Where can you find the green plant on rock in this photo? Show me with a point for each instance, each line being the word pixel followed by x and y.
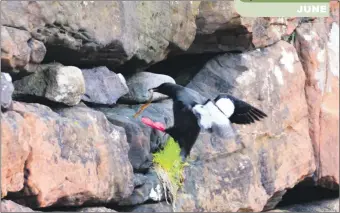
pixel 290 38
pixel 169 167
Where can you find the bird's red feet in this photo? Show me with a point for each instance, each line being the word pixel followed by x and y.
pixel 155 125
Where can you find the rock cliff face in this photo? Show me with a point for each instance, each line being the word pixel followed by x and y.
pixel 105 33
pixel 317 45
pixel 75 73
pixel 247 178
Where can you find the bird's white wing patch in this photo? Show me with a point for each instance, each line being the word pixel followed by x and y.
pixel 209 114
pixel 226 106
pixel 210 117
pixel 203 115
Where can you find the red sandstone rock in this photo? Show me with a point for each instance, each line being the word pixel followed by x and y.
pixel 18 48
pixel 266 31
pixel 75 156
pixel 318 48
pixel 14 151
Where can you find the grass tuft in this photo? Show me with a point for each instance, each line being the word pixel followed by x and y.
pixel 169 167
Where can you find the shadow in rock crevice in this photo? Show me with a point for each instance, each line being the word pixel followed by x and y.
pixel 182 67
pixel 86 57
pixel 306 192
pixel 40 100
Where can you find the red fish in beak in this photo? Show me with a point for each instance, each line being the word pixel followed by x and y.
pixel 155 125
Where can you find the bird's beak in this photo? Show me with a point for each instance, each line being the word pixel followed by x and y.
pixel 153 90
pixel 144 106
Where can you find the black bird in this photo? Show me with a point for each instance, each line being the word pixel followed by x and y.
pixel 194 112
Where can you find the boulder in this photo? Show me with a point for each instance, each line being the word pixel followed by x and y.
pixel 142 31
pixel 103 86
pixel 68 158
pixel 252 171
pixel 55 82
pixel 214 16
pixel 317 44
pixel 19 49
pixel 329 115
pixel 143 140
pixel 141 82
pixel 10 206
pixel 153 207
pixel 7 89
pixel 150 190
pixel 105 33
pixel 220 28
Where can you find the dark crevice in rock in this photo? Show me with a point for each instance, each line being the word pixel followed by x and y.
pixel 97 105
pixel 131 66
pixel 9 108
pixel 22 199
pixel 17 73
pixel 61 54
pixel 57 209
pixel 182 67
pixel 76 198
pixel 306 20
pixel 328 182
pixel 229 38
pixel 72 208
pixel 58 206
pixel 135 64
pixel 131 207
pixel 134 103
pixel 15 27
pixel 87 56
pixel 39 100
pixel 306 191
pixel 91 55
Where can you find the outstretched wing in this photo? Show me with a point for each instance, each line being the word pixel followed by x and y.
pixel 238 111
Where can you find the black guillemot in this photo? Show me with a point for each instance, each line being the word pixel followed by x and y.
pixel 194 113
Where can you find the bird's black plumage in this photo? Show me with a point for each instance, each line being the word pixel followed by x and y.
pixel 185 129
pixel 194 112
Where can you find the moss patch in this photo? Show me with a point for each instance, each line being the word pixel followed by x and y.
pixel 169 167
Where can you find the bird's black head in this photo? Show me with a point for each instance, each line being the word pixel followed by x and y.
pixel 169 89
